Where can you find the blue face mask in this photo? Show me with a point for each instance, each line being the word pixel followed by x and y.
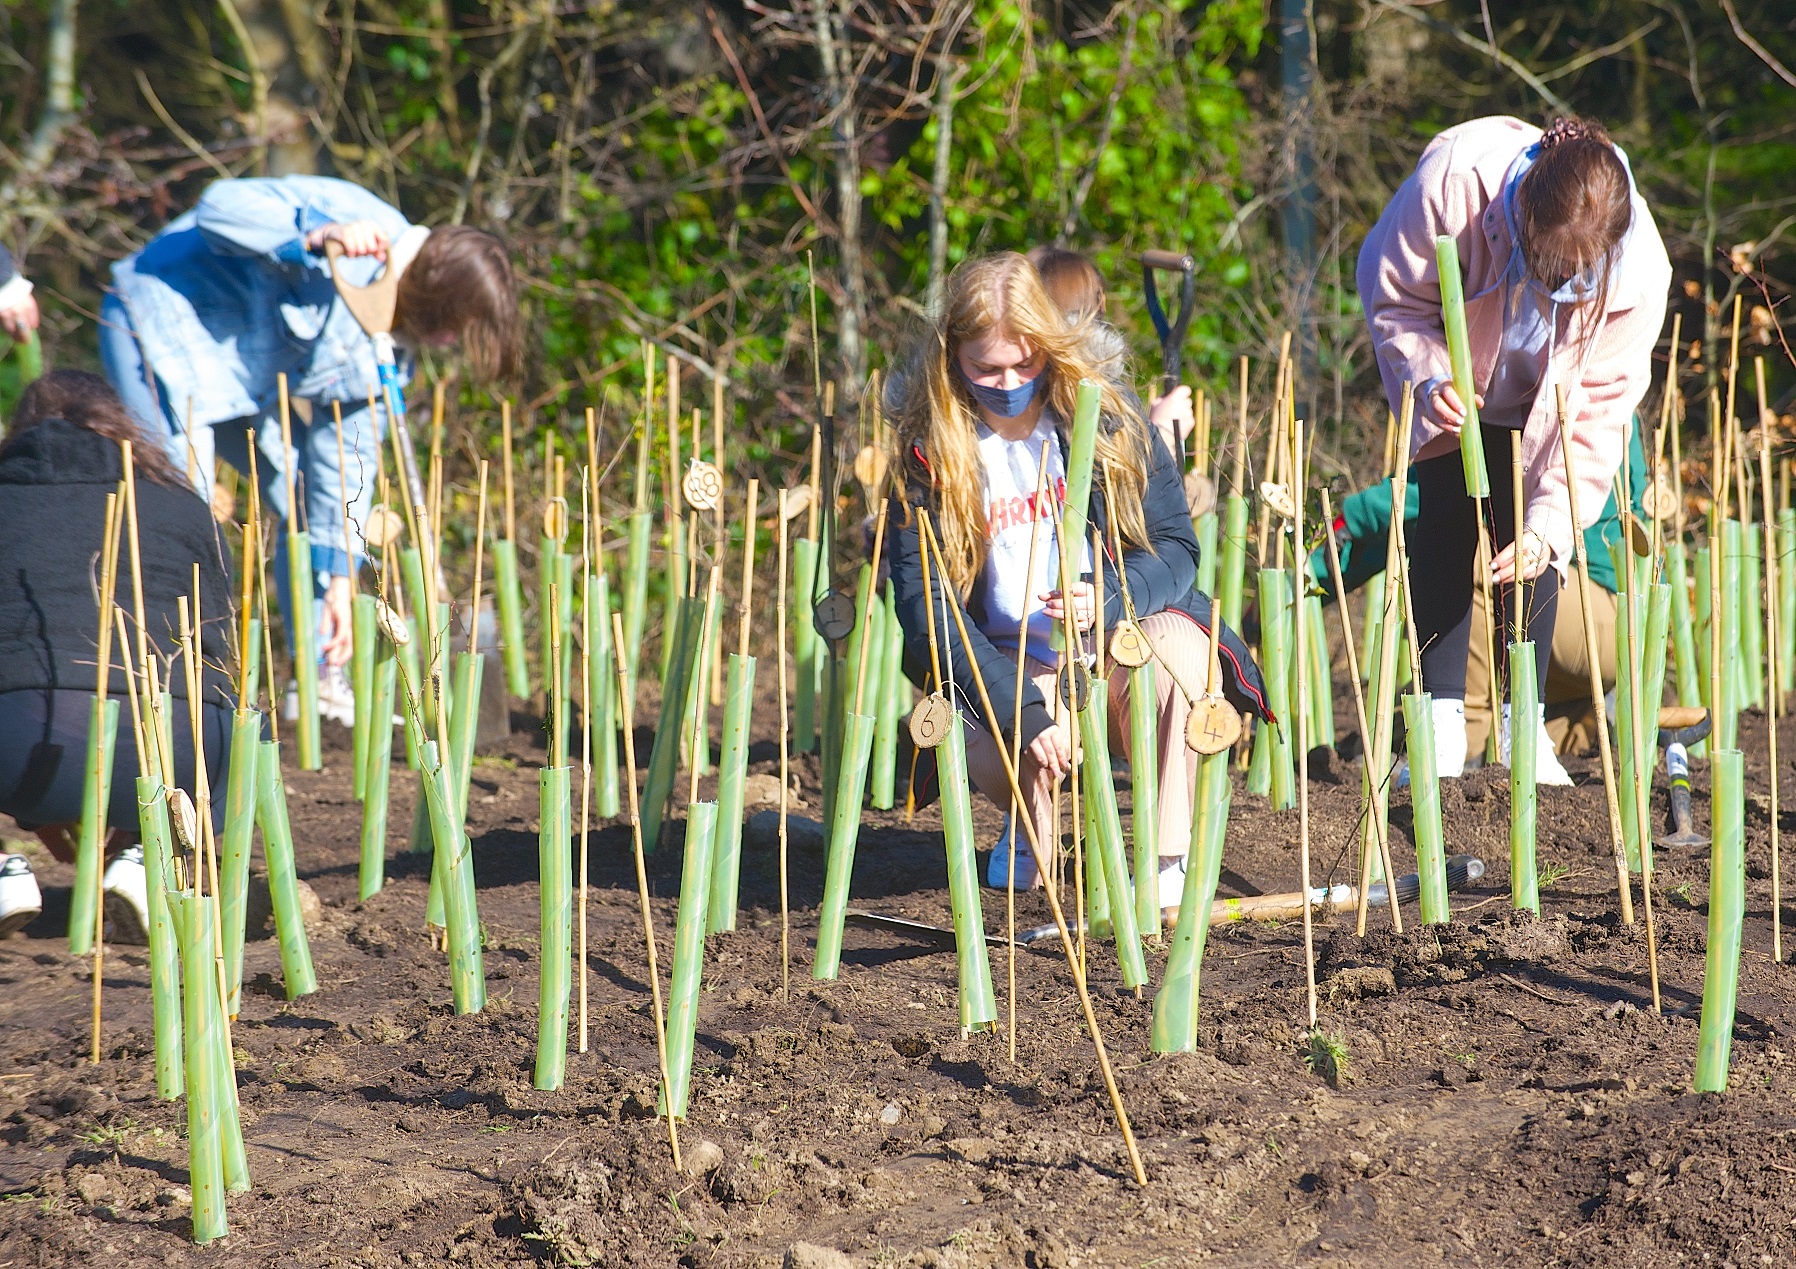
pixel 1005 403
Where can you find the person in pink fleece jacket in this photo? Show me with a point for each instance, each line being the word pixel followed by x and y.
pixel 1566 281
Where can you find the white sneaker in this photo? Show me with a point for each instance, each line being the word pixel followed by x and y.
pixel 20 900
pixel 1172 881
pixel 1449 737
pixel 1547 767
pixel 127 898
pixel 1006 856
pixel 336 698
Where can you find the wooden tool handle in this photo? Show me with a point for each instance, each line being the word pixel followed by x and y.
pixel 1171 261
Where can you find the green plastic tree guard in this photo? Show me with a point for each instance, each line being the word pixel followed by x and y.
pixel 377 783
pixel 556 887
pixel 302 614
pixel 1459 354
pixel 1175 1006
pixel 844 829
pixel 1425 799
pixel 1727 909
pixel 978 1006
pixel 364 634
pixel 96 794
pixel 283 884
pixel 241 788
pixel 689 956
pixel 1524 692
pixel 1107 841
pixel 165 949
pixel 509 589
pixel 732 766
pixel 205 1137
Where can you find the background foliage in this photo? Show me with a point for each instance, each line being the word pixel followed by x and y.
pixel 668 170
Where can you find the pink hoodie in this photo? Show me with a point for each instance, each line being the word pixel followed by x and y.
pixel 1457 188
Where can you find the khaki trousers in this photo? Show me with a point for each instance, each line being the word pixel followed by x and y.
pixel 1181 661
pixel 1571 721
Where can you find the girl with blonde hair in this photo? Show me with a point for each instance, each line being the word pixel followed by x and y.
pixel 986 392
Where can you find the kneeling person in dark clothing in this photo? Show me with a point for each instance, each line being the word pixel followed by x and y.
pixel 59 462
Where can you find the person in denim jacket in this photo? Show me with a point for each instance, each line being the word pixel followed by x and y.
pixel 201 322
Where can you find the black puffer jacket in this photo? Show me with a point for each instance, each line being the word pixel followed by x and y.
pixel 54 479
pixel 1161 580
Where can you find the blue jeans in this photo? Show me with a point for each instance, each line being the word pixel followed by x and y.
pixel 196 453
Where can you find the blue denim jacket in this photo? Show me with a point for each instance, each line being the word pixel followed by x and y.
pixel 227 297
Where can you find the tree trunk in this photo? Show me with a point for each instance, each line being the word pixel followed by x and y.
pixel 947 77
pixel 59 102
pixel 851 315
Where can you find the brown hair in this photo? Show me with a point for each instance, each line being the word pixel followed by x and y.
pixel 462 282
pixel 1072 280
pixel 1574 206
pixel 88 401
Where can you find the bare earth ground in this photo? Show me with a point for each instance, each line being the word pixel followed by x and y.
pixel 1511 1098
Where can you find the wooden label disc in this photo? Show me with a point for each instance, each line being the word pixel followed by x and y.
pixel 703 486
pixel 930 720
pixel 833 617
pixel 555 520
pixel 1213 726
pixel 1639 536
pixel 383 529
pixel 870 466
pixel 1129 646
pixel 186 821
pixel 798 501
pixel 1659 500
pixel 1277 497
pixel 1075 686
pixel 392 625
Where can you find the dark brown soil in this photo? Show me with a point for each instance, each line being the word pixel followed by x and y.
pixel 1510 1096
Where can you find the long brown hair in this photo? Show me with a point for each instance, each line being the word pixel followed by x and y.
pixel 931 408
pixel 88 401
pixel 1573 208
pixel 462 281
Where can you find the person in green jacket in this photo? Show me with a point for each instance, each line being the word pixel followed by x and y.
pixel 1361 528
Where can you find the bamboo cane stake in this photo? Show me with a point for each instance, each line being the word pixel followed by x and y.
pixel 1016 752
pixel 620 651
pixel 1590 652
pixel 785 757
pixel 1359 710
pixel 1066 940
pixel 553 882
pixel 1727 907
pixel 1298 487
pixel 1424 781
pixel 1771 676
pixel 100 771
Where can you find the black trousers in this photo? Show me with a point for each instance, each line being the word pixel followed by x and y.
pixel 1443 552
pixel 43 752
